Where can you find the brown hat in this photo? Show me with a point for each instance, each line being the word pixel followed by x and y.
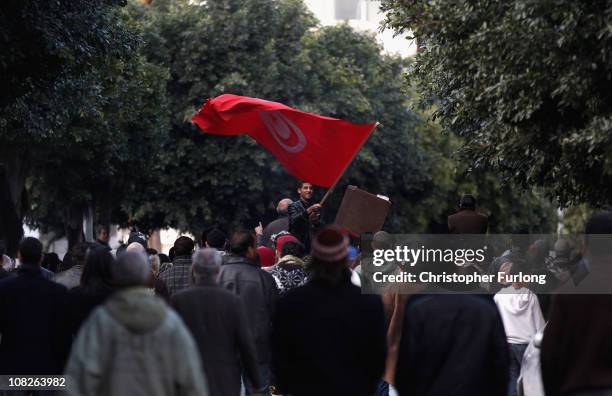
pixel 330 244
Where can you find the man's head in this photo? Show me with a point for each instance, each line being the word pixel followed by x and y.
pixel 282 206
pixel 329 255
pixel 78 254
pixel 206 264
pixel 305 190
pixel 242 243
pixel 292 248
pixel 382 240
pixel 131 269
pixel 30 251
pixel 102 233
pixel 139 237
pixel 183 246
pixel 467 201
pixel 598 236
pixel 216 239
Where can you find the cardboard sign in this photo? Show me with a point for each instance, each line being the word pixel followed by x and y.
pixel 362 212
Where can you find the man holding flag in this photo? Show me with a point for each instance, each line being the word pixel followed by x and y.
pixel 304 216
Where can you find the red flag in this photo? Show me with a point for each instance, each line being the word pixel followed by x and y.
pixel 313 148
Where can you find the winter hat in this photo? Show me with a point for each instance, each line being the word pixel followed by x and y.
pixel 139 237
pixel 280 241
pixel 330 244
pixel 266 256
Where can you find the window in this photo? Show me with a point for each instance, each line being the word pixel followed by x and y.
pixel 348 9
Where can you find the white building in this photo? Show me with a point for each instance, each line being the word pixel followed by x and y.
pixel 361 15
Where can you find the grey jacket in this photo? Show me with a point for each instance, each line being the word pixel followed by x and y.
pixel 258 292
pixel 135 345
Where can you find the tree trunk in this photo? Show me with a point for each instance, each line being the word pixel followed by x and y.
pixel 13 172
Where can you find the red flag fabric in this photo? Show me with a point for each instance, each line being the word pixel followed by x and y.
pixel 313 148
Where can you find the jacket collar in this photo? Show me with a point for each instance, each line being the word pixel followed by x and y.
pixel 235 259
pixel 29 269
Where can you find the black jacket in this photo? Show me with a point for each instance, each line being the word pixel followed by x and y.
pixel 257 291
pixel 328 340
pixel 32 339
pixel 217 322
pixel 452 345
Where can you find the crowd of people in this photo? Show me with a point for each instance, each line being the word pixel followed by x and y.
pixel 280 311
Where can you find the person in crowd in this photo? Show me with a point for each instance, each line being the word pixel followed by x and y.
pixel 217 321
pixel 289 271
pixel 51 262
pixel 281 223
pixel 451 343
pixel 32 340
pixel 71 277
pixel 164 263
pixel 304 216
pixel 177 277
pixel 576 348
pixel 95 288
pixel 266 257
pixel 134 344
pixel 522 318
pixel 467 220
pixel 103 236
pixel 240 274
pixel 216 239
pixel 157 285
pixel 328 338
pixel 380 240
pixel 137 236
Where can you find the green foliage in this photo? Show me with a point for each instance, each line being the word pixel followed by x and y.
pixel 272 50
pixel 525 83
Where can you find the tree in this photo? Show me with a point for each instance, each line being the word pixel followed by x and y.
pixel 525 83
pixel 70 76
pixel 276 53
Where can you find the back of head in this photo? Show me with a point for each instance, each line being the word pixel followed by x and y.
pixel 292 248
pixel 282 206
pixel 30 251
pixel 241 242
pixel 78 254
pixel 598 236
pixel 205 264
pixel 97 271
pixel 130 269
pixel 183 246
pixel 382 240
pixel 329 255
pixel 467 201
pixel 51 261
pixel 137 236
pixel 216 239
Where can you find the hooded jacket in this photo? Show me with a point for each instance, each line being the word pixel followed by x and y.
pixel 520 312
pixel 135 345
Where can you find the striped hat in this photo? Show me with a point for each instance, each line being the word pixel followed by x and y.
pixel 330 244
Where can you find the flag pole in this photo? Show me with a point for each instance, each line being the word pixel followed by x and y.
pixel 331 189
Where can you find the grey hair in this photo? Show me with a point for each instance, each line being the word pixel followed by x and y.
pixel 131 269
pixel 205 264
pixel 282 206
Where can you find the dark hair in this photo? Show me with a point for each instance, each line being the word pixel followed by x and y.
pixel 597 244
pixel 121 249
pixel 78 253
pixel 52 262
pixel 301 183
pixel 183 246
pixel 292 248
pixel 96 276
pixel 171 254
pixel 151 251
pixel 467 201
pixel 30 250
pixel 216 239
pixel 241 242
pixel 102 227
pixel 163 258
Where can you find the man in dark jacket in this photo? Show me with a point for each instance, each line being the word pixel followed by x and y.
pixel 328 338
pixel 304 217
pixel 467 220
pixel 256 288
pixel 217 321
pixel 176 277
pixel 32 341
pixel 452 344
pixel 275 226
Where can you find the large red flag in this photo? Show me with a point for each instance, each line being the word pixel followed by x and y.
pixel 313 148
